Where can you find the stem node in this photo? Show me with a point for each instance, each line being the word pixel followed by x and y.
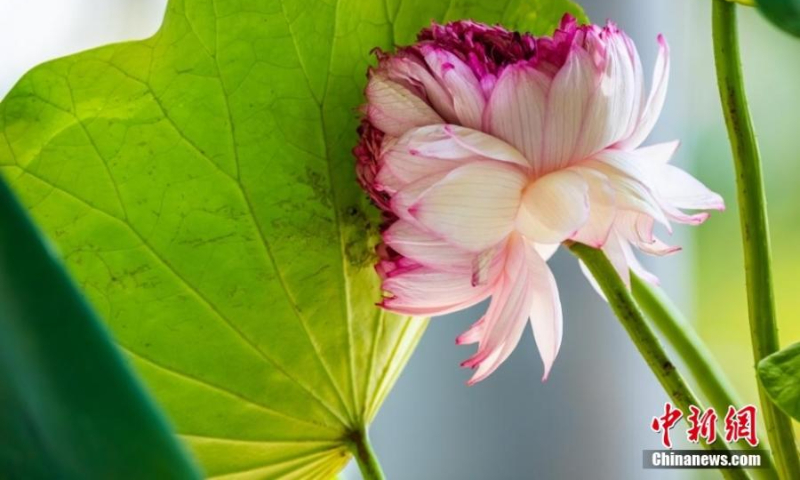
pixel 365 455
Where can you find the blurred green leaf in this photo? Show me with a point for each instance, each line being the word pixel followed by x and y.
pixel 201 186
pixel 780 375
pixel 69 406
pixel 785 14
pixel 541 17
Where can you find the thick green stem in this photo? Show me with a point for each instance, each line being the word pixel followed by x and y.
pixel 684 340
pixel 365 456
pixel 632 318
pixel 753 219
pixel 702 366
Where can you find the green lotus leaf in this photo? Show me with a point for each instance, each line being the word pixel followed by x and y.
pixel 784 14
pixel 201 188
pixel 779 373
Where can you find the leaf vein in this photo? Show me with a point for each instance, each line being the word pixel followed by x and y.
pixel 268 249
pixel 265 243
pixel 311 461
pixel 222 390
pixel 345 280
pixel 279 442
pixel 208 303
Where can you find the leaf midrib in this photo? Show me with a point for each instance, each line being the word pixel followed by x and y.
pixel 264 242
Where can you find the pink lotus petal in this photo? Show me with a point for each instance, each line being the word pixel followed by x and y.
pixel 694 219
pixel 507 314
pixel 460 82
pixel 546 250
pixel 592 281
pixel 568 100
pixel 403 164
pixel 630 184
pixel 516 111
pixel 403 200
pixel 682 190
pixel 426 248
pixel 395 109
pixel 602 209
pixel 409 69
pixel 636 266
pixel 611 105
pixel 452 142
pixel 474 334
pixel 659 153
pixel 545 314
pixel 427 291
pixel 615 249
pixel 474 206
pixel 554 207
pixel 639 93
pixel 482 265
pixel 658 248
pixel 658 93
pixel 634 227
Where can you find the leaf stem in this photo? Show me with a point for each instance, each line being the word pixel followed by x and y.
pixel 365 455
pixel 702 366
pixel 632 318
pixel 753 219
pixel 681 336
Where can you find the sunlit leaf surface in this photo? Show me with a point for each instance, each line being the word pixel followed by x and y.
pixel 201 188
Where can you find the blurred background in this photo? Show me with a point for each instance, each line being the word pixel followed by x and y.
pixel 591 419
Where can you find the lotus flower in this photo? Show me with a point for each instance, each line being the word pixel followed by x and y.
pixel 487 148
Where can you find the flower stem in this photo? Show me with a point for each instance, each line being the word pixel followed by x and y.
pixel 632 318
pixel 702 366
pixel 365 455
pixel 753 219
pixel 681 336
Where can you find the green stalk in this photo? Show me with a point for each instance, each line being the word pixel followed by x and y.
pixel 632 318
pixel 753 219
pixel 690 348
pixel 365 455
pixel 679 334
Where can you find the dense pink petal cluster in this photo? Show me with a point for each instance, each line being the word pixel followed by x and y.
pixel 487 148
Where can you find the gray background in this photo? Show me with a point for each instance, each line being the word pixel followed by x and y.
pixel 591 419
